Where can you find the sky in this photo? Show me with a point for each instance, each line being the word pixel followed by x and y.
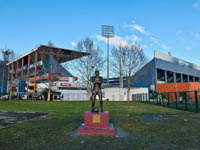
pixel 170 25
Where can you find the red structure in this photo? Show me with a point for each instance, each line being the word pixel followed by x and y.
pixel 96 123
pixel 178 87
pixel 173 91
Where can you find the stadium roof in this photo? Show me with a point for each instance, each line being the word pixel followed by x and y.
pixel 60 54
pixel 175 60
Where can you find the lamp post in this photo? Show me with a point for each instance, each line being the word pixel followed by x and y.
pixel 108 32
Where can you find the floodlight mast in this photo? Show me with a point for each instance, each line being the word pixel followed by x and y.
pixel 108 32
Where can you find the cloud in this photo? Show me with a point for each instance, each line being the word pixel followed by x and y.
pixel 116 41
pixel 74 44
pixel 132 39
pixel 136 27
pixel 142 30
pixel 196 5
pixel 165 47
pixel 120 41
pixel 158 43
pixel 154 40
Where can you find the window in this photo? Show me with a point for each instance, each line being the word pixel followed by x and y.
pixel 31 87
pixel 71 88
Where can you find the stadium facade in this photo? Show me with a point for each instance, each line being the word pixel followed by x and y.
pixel 40 65
pixel 163 70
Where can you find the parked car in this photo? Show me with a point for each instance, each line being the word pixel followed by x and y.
pixel 24 97
pixel 4 97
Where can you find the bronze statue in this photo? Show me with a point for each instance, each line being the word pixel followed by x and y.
pixel 97 80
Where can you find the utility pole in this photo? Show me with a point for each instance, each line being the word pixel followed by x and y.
pixel 121 74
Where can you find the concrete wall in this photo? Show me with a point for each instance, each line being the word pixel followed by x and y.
pixel 120 94
pixel 145 77
pixel 74 95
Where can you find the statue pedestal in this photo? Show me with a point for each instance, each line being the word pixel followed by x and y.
pixel 96 123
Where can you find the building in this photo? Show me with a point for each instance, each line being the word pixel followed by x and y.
pixel 165 71
pixel 3 77
pixel 113 82
pixel 120 94
pixel 41 65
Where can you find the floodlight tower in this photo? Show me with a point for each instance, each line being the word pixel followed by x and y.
pixel 108 32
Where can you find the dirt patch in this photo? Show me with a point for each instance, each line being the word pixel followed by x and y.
pixel 156 117
pixel 121 133
pixel 11 118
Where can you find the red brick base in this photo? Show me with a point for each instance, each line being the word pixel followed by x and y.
pixel 96 123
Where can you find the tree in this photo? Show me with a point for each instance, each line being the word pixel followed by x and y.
pixel 86 66
pixel 126 61
pixel 7 56
pixel 50 43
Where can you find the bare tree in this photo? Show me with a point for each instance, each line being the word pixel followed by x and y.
pixel 86 66
pixel 7 56
pixel 126 61
pixel 50 43
pixel 116 63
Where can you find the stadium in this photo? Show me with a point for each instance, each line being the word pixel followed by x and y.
pixel 165 73
pixel 39 69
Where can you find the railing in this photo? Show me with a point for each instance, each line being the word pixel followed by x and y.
pixel 188 100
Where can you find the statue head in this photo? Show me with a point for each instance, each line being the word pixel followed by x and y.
pixel 97 72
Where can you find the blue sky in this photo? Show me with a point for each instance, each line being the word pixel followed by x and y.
pixel 171 25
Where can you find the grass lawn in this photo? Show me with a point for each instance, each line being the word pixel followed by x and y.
pixel 56 131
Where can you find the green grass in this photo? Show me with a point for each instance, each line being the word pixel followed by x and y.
pixel 56 131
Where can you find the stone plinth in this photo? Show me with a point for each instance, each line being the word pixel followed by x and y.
pixel 96 123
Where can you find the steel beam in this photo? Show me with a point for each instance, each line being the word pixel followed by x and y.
pixel 8 72
pixel 165 76
pixel 36 61
pixel 12 77
pixel 174 77
pixel 28 72
pixel 17 70
pixel 22 68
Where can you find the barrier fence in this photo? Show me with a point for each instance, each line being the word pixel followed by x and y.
pixel 188 100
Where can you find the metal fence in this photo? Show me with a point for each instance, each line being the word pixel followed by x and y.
pixel 188 100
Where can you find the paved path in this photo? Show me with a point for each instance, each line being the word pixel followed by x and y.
pixel 11 118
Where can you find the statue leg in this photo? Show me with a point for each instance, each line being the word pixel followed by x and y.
pixel 100 100
pixel 93 100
